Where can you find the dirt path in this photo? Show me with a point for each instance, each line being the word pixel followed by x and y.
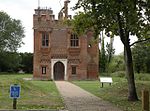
pixel 77 99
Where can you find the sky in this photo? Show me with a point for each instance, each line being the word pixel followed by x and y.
pixel 24 10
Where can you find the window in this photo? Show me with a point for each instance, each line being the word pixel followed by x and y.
pixel 74 70
pixel 45 39
pixel 74 40
pixel 43 70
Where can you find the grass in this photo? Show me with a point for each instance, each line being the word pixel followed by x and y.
pixel 44 95
pixel 118 92
pixel 34 94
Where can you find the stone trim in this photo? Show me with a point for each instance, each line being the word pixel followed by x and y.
pixel 53 61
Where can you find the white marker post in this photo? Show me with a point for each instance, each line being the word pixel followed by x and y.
pixel 14 94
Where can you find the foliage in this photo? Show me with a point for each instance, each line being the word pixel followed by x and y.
pixel 110 51
pixel 26 63
pixel 34 94
pixel 141 58
pixel 118 74
pixel 102 57
pixel 81 22
pixel 104 15
pixel 123 18
pixel 9 61
pixel 11 33
pixel 106 53
pixel 13 62
pixel 116 64
pixel 142 77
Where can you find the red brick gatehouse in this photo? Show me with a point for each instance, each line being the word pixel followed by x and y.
pixel 59 54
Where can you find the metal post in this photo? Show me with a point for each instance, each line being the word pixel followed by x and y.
pixel 102 84
pixel 14 103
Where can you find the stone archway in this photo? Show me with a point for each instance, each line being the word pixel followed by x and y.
pixel 59 71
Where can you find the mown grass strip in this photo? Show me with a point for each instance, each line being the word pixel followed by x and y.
pixel 34 94
pixel 117 93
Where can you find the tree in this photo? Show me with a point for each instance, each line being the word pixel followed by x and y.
pixel 13 62
pixel 110 50
pixel 11 33
pixel 122 18
pixel 116 64
pixel 141 52
pixel 106 53
pixel 102 55
pixel 26 62
pixel 9 61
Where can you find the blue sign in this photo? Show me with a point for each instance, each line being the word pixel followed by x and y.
pixel 15 91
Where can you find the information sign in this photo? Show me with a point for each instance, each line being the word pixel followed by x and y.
pixel 15 91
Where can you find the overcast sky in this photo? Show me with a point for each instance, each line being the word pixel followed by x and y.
pixel 24 10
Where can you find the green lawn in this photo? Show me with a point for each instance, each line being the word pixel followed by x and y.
pixel 118 92
pixel 34 94
pixel 44 95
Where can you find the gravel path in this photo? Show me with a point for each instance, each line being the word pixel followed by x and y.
pixel 77 99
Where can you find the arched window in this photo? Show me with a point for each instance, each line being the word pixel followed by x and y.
pixel 45 39
pixel 74 40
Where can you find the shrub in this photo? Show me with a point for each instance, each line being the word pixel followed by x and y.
pixel 142 77
pixel 118 74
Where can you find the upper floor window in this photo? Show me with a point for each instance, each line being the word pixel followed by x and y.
pixel 74 40
pixel 45 39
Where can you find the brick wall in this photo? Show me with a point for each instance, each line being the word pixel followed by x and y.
pixel 84 58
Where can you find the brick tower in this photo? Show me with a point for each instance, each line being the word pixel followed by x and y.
pixel 59 54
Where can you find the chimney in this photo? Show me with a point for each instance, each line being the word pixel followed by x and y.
pixel 66 8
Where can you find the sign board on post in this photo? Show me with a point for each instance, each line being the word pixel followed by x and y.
pixel 15 91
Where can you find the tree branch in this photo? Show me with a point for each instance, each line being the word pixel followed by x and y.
pixel 140 41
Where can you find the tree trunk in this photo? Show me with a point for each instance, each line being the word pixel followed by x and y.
pixel 132 95
pixel 124 36
pixel 110 49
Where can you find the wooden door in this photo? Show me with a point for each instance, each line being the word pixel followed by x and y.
pixel 59 71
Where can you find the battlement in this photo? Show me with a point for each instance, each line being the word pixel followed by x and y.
pixel 46 14
pixel 43 17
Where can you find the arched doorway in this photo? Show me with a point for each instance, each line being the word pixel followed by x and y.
pixel 59 71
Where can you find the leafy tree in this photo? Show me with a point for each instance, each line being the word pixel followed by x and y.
pixel 11 33
pixel 9 62
pixel 26 63
pixel 141 58
pixel 13 62
pixel 106 53
pixel 121 17
pixel 102 55
pixel 116 64
pixel 110 50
